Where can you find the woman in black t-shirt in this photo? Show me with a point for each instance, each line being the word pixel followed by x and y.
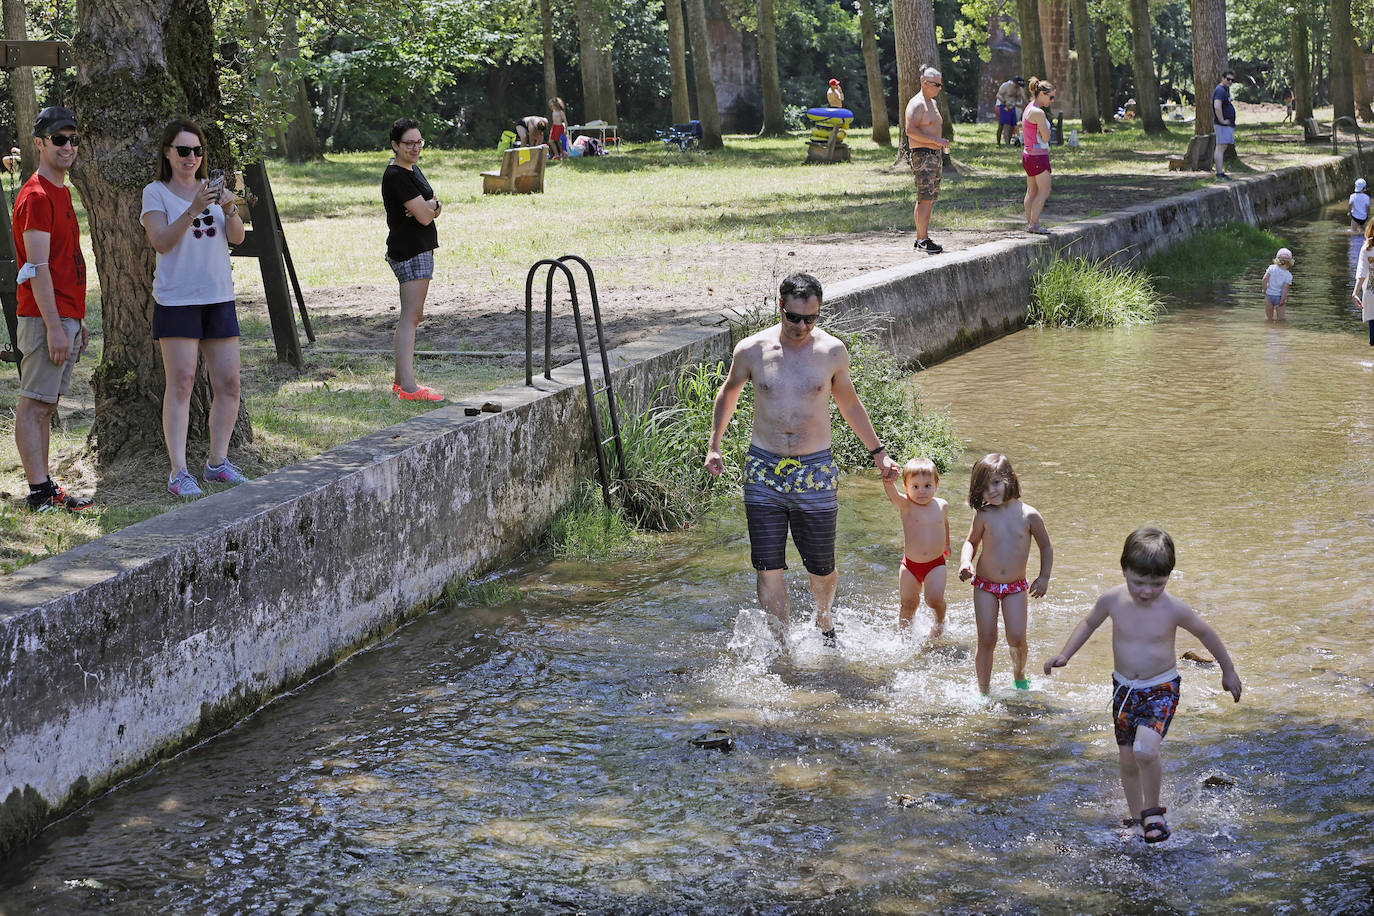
pixel 411 209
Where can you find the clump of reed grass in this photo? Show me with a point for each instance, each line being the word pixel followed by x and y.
pixel 587 529
pixel 1207 256
pixel 1097 294
pixel 484 593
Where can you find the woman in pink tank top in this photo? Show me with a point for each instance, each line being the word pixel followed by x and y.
pixel 1035 156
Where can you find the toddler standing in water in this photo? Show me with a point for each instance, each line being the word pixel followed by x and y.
pixel 1145 684
pixel 925 530
pixel 1004 527
pixel 1277 280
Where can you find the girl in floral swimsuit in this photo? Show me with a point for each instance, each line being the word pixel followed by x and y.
pixel 1003 527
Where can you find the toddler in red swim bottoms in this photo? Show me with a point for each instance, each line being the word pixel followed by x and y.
pixel 925 531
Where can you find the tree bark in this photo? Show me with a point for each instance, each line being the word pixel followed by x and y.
pixel 1105 106
pixel 677 61
pixel 708 110
pixel 1362 100
pixel 1087 77
pixel 139 64
pixel 1032 43
pixel 546 28
pixel 274 139
pixel 1143 66
pixel 1209 59
pixel 598 78
pixel 877 98
pixel 773 125
pixel 1302 64
pixel 1342 73
pixel 302 143
pixel 22 89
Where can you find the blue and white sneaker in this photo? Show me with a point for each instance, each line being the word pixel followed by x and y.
pixel 183 484
pixel 225 473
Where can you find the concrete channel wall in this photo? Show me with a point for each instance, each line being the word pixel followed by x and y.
pixel 122 651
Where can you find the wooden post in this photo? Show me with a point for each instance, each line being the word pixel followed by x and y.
pixel 9 268
pixel 264 242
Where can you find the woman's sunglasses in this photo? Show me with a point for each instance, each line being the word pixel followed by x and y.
pixel 185 151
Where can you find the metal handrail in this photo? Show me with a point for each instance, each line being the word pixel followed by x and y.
pixel 1359 149
pixel 598 440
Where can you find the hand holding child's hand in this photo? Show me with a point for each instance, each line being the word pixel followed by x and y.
pixel 1230 682
pixel 1059 661
pixel 965 572
pixel 1039 587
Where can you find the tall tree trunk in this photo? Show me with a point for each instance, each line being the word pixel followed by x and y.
pixel 1209 59
pixel 1302 64
pixel 1087 77
pixel 773 125
pixel 302 143
pixel 677 61
pixel 546 29
pixel 274 137
pixel 1342 74
pixel 1362 100
pixel 1143 66
pixel 1032 43
pixel 877 99
pixel 22 90
pixel 914 30
pixel 598 72
pixel 708 111
pixel 139 64
pixel 1105 103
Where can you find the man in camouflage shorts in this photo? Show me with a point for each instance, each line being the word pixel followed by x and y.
pixel 927 153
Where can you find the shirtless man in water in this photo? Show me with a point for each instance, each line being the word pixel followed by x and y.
pixel 789 473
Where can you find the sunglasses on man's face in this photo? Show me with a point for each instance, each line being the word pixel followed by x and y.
pixel 64 139
pixel 187 151
pixel 801 319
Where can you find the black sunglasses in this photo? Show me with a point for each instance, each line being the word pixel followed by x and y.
pixel 184 151
pixel 64 139
pixel 801 319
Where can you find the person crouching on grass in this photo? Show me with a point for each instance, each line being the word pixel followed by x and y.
pixel 1145 684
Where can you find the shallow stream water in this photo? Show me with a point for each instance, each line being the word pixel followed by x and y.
pixel 536 757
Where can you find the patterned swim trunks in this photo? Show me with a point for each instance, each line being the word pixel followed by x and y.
pixel 797 493
pixel 925 167
pixel 1000 589
pixel 1152 706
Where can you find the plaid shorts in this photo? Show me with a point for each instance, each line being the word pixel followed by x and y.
pixel 925 166
pixel 420 267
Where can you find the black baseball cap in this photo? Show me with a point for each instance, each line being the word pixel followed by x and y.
pixel 53 118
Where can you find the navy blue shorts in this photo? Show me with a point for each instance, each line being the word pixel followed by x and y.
pixel 799 493
pixel 198 322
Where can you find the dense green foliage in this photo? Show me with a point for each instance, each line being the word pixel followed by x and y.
pixel 1096 294
pixel 1207 256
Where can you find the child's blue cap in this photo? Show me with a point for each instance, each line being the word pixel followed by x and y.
pixel 1359 184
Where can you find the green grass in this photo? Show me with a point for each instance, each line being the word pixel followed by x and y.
pixel 1095 294
pixel 1207 256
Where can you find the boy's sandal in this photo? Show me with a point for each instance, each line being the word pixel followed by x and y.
pixel 1157 832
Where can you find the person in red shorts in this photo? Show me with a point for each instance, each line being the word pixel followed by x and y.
pixel 1035 154
pixel 52 303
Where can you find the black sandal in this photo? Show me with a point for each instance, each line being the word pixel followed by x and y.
pixel 1157 832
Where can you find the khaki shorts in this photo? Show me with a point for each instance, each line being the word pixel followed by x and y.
pixel 39 378
pixel 925 166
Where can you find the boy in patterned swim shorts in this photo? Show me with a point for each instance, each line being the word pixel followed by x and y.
pixel 1145 684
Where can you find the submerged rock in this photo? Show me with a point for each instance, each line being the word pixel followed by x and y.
pixel 1195 655
pixel 1219 781
pixel 717 739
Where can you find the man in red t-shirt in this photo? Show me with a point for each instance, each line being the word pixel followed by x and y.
pixel 52 302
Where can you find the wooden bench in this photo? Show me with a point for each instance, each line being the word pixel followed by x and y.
pixel 1310 133
pixel 521 172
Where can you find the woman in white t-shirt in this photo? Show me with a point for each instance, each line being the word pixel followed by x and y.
pixel 191 222
pixel 1364 290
